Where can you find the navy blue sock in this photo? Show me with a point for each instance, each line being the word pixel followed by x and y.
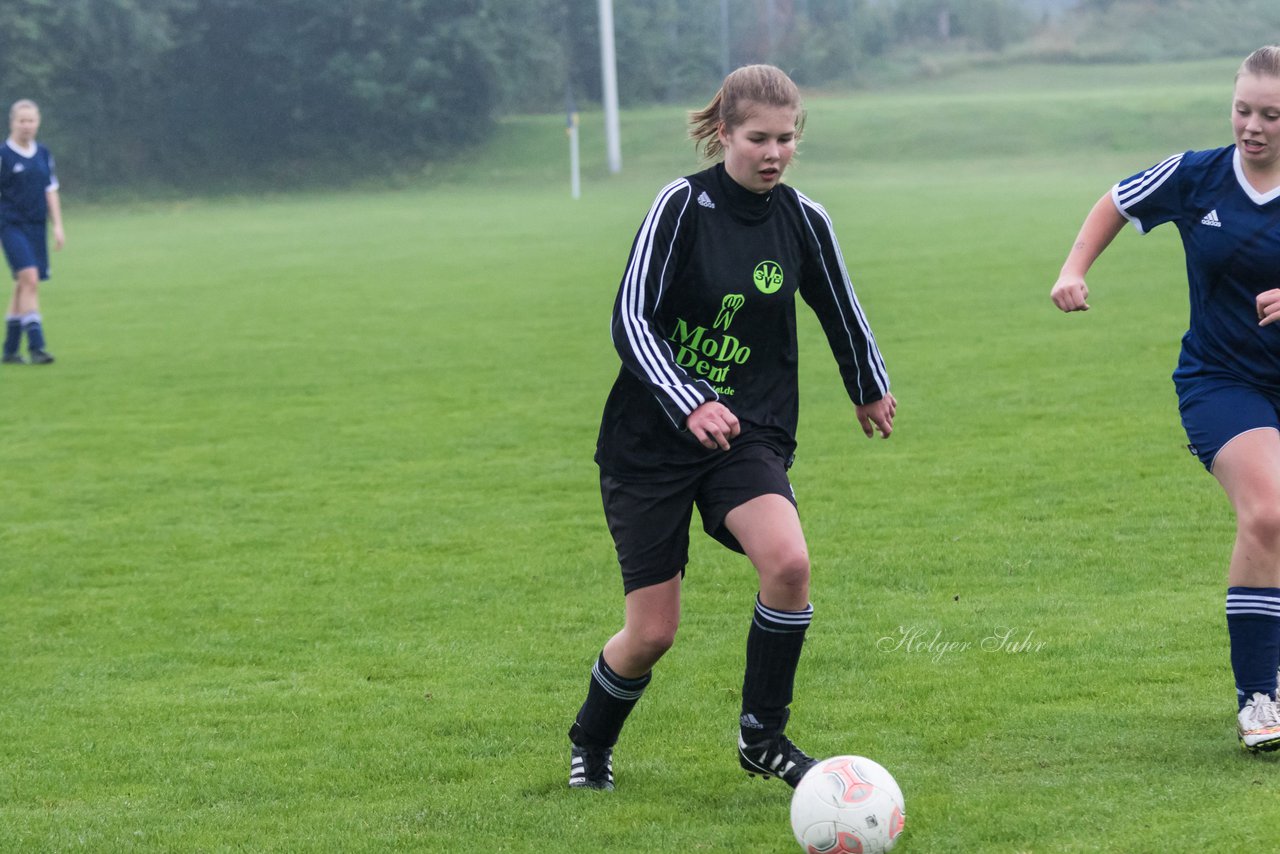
pixel 610 698
pixel 1253 622
pixel 12 335
pixel 35 332
pixel 773 653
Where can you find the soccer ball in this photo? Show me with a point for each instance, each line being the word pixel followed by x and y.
pixel 847 805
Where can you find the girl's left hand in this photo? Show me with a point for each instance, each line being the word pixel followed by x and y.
pixel 878 415
pixel 59 237
pixel 1268 303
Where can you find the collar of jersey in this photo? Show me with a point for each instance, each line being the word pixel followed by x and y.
pixel 25 152
pixel 1258 198
pixel 745 205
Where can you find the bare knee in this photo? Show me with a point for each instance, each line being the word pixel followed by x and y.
pixel 25 291
pixel 637 648
pixel 1261 526
pixel 652 640
pixel 787 568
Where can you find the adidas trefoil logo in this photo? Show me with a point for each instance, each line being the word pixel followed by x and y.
pixel 705 201
pixel 1211 218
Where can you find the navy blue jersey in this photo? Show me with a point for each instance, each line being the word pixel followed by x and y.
pixel 25 177
pixel 1231 236
pixel 706 311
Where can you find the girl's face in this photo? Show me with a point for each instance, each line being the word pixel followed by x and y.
pixel 1255 119
pixel 757 152
pixel 24 124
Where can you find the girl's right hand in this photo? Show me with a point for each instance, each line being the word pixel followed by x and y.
pixel 713 425
pixel 1070 293
pixel 1268 305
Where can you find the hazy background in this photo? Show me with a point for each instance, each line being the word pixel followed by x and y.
pixel 219 95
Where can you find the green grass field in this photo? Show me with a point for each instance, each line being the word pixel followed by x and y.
pixel 302 547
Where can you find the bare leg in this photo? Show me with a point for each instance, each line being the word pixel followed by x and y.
pixel 1248 468
pixel 768 528
pixel 619 678
pixel 652 617
pixel 26 295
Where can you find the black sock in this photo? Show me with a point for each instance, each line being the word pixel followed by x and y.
pixel 610 698
pixel 773 652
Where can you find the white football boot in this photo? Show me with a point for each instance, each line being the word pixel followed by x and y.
pixel 1259 724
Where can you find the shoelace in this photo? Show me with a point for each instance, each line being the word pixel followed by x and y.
pixel 1267 712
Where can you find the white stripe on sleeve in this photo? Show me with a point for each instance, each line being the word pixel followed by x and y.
pixel 643 344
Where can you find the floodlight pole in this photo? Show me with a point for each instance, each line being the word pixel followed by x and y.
pixel 609 75
pixel 575 162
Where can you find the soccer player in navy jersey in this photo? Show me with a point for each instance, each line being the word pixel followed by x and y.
pixel 705 406
pixel 29 204
pixel 1226 205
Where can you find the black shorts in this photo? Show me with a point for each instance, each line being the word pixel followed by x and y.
pixel 649 520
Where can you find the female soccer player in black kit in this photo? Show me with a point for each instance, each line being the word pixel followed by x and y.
pixel 704 411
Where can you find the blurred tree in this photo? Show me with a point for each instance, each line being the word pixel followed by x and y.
pixel 28 63
pixel 94 65
pixel 544 45
pixel 304 79
pixel 989 24
pixel 830 39
pixel 669 50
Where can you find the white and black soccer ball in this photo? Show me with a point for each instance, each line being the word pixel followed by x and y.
pixel 847 805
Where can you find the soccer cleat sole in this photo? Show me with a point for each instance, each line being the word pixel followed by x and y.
pixel 763 775
pixel 1269 746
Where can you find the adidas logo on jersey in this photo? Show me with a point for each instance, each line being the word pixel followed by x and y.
pixel 705 201
pixel 1211 218
pixel 18 167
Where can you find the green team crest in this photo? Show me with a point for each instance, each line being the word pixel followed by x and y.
pixel 768 277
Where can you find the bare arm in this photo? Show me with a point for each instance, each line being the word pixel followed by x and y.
pixel 55 218
pixel 1100 227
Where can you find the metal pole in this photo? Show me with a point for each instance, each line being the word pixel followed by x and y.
pixel 575 170
pixel 609 74
pixel 571 130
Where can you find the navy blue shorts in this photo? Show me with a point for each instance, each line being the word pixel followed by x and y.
pixel 1217 409
pixel 649 520
pixel 26 245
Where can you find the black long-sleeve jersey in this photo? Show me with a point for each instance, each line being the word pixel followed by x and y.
pixel 706 311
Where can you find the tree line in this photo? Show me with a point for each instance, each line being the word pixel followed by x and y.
pixel 206 93
pixel 211 93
